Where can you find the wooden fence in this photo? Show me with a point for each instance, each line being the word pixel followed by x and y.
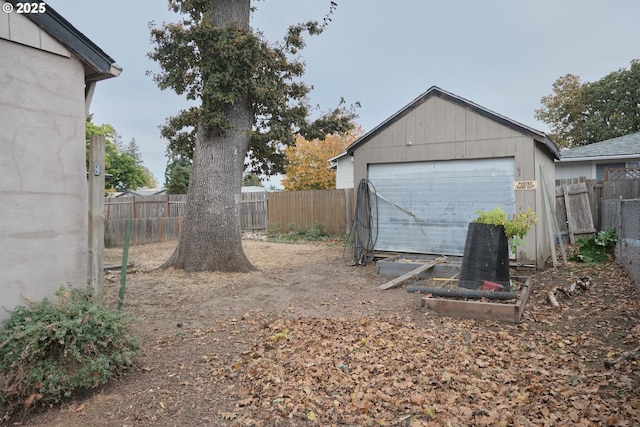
pixel 143 230
pixel 164 205
pixel 159 218
pixel 597 190
pixel 302 209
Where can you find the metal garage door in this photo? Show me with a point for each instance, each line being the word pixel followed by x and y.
pixel 425 207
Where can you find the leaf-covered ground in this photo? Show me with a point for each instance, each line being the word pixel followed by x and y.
pixel 308 340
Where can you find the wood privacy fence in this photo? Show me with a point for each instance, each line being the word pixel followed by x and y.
pixel 159 218
pixel 302 209
pixel 595 190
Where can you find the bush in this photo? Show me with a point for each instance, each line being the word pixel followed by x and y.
pixel 596 249
pixel 296 234
pixel 48 351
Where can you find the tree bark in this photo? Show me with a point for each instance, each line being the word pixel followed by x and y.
pixel 211 238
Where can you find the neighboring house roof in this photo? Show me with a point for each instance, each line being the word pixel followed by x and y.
pixel 98 65
pixel 623 147
pixel 536 135
pixel 143 191
pixel 252 189
pixel 333 162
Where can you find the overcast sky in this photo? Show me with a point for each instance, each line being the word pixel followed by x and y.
pixel 501 54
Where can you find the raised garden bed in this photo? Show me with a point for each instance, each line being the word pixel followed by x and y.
pixel 503 311
pixel 439 273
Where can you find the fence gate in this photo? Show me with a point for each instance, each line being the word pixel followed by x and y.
pixel 574 211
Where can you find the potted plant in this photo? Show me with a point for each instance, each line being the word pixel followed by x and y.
pixel 489 238
pixel 514 229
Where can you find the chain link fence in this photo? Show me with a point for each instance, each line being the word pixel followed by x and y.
pixel 625 216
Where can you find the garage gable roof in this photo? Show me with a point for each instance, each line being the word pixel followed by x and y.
pixel 536 135
pixel 98 65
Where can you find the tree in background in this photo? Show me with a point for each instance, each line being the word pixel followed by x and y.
pixel 252 103
pixel 583 113
pixel 128 173
pixel 308 161
pixel 251 180
pixel 149 178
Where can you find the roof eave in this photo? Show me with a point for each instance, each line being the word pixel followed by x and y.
pixel 598 158
pixel 98 65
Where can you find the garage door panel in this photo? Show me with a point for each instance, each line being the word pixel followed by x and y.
pixel 425 207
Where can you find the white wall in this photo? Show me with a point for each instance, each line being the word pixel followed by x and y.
pixel 567 170
pixel 344 173
pixel 43 184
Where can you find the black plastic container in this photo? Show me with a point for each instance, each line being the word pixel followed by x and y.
pixel 486 257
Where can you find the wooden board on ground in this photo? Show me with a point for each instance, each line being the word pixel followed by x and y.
pixel 503 312
pixel 110 266
pixel 398 280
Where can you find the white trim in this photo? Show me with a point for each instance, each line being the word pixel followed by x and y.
pixel 597 158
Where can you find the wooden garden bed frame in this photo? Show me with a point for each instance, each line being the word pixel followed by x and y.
pixel 481 310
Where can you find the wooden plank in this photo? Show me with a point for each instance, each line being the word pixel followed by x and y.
pixel 395 282
pixel 553 218
pixel 549 221
pixel 567 206
pixel 524 298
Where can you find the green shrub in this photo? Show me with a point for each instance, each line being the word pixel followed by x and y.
pixel 297 234
pixel 50 350
pixel 596 249
pixel 515 228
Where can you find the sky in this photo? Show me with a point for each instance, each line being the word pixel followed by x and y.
pixel 501 54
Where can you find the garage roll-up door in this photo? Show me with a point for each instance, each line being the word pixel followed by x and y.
pixel 425 207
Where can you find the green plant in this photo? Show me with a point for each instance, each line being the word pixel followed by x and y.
pixel 515 228
pixel 297 234
pixel 50 350
pixel 596 249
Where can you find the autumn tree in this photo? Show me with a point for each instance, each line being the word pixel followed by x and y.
pixel 583 113
pixel 251 103
pixel 308 161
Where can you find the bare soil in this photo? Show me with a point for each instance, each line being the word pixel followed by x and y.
pixel 309 340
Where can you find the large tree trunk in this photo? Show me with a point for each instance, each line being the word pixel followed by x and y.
pixel 211 239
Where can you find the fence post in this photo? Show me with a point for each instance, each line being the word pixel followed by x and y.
pixel 348 198
pixel 96 215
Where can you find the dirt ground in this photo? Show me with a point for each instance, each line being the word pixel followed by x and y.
pixel 309 340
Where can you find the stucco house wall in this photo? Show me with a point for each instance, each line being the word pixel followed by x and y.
pixel 43 188
pixel 440 126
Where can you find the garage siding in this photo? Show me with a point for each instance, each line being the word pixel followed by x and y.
pixel 425 207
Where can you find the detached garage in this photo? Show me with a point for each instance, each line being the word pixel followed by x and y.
pixel 442 158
